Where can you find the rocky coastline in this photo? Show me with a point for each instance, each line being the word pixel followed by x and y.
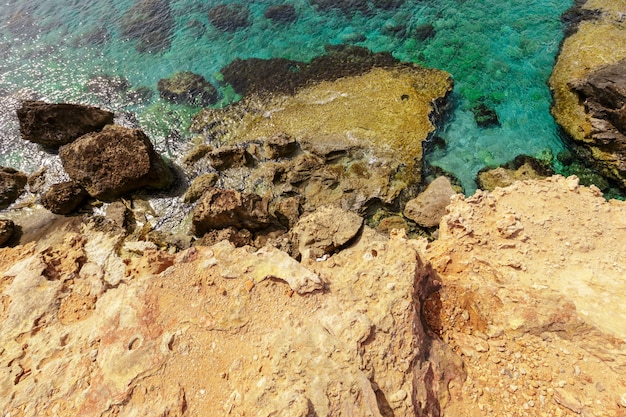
pixel 302 267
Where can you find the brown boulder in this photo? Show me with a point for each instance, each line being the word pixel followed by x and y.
pixel 324 231
pixel 429 207
pixel 114 162
pixel 219 209
pixel 12 183
pixel 7 230
pixel 57 124
pixel 63 198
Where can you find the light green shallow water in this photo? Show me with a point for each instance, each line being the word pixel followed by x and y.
pixel 501 52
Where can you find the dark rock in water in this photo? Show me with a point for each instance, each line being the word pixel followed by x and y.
pixel 12 183
pixel 139 95
pixel 228 157
pixel 281 13
pixel 485 116
pixel 195 28
pixel 95 37
pixel 22 23
pixel 114 162
pixel 150 24
pixel 57 124
pixel 108 88
pixel 577 14
pixel 188 88
pixel 424 32
pixel 63 198
pixel 394 29
pixel 286 76
pixel 387 4
pixel 219 209
pixel 229 17
pixel 348 7
pixel 7 230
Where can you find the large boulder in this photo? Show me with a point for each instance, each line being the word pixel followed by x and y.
pixel 229 17
pixel 219 209
pixel 150 23
pixel 12 183
pixel 185 87
pixel 114 162
pixel 54 125
pixel 429 207
pixel 63 198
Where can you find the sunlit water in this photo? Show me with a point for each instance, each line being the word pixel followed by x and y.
pixel 499 52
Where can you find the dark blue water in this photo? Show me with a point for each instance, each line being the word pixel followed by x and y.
pixel 500 53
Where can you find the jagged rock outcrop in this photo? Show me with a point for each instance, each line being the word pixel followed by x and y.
pixel 150 24
pixel 532 298
pixel 63 198
pixel 219 209
pixel 185 87
pixel 53 125
pixel 12 183
pixel 589 87
pixel 429 207
pixel 114 162
pixel 352 142
pixel 90 334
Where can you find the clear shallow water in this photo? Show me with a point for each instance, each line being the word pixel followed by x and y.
pixel 499 52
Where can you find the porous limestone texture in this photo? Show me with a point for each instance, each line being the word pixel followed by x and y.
pixel 216 331
pixel 597 43
pixel 532 297
pixel 353 142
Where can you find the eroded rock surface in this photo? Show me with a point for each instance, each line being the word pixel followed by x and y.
pixel 429 207
pixel 84 333
pixel 54 125
pixel 532 298
pixel 588 86
pixel 63 198
pixel 12 183
pixel 115 161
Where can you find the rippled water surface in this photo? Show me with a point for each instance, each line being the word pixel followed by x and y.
pixel 500 54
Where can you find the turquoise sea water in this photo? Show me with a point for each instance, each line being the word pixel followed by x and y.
pixel 500 53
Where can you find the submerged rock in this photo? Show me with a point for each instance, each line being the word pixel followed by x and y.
pixel 150 23
pixel 281 13
pixel 12 183
pixel 429 207
pixel 63 198
pixel 114 162
pixel 521 168
pixel 485 116
pixel 348 7
pixel 54 125
pixel 188 88
pixel 229 17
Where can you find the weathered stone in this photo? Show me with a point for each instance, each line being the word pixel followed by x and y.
pixel 279 145
pixel 226 157
pixel 63 198
pixel 219 209
pixel 281 13
pixel 522 168
pixel 229 17
pixel 287 211
pixel 114 162
pixel 36 180
pixel 429 207
pixel 150 23
pixel 7 230
pixel 588 87
pixel 524 268
pixel 185 87
pixel 54 125
pixel 12 183
pixel 324 231
pixel 199 185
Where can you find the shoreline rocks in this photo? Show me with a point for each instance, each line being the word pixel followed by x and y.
pixel 56 124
